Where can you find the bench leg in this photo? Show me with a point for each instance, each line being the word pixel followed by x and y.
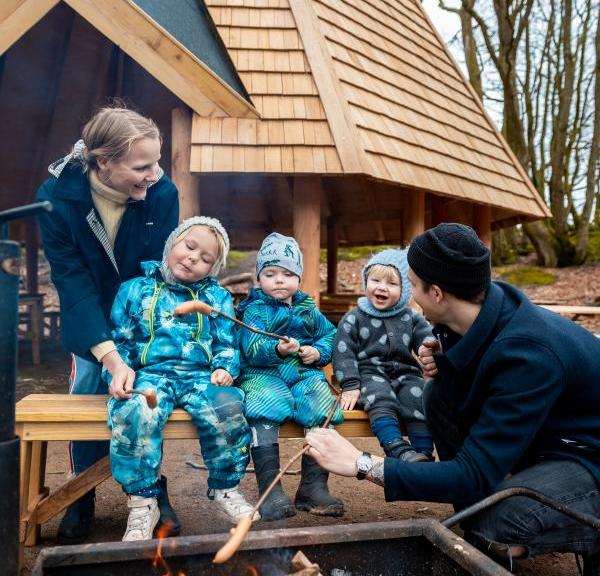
pixel 23 494
pixel 36 491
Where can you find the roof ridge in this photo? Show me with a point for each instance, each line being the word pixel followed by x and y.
pixel 339 117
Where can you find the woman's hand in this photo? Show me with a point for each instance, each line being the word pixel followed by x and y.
pixel 122 375
pixel 426 358
pixel 286 348
pixel 349 399
pixel 309 355
pixel 332 451
pixel 221 377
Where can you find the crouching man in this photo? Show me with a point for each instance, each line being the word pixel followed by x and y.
pixel 515 401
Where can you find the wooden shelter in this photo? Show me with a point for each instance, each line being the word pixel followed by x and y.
pixel 368 132
pixel 340 121
pixel 59 60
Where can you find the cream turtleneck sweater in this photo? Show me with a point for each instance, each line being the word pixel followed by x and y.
pixel 111 205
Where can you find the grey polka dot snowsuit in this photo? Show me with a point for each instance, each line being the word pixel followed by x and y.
pixel 375 356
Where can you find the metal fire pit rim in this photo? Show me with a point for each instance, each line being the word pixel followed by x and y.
pixel 447 541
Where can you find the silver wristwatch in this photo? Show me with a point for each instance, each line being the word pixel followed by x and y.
pixel 364 464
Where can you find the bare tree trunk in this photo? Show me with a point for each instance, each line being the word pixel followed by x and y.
pixel 470 46
pixel 557 185
pixel 592 169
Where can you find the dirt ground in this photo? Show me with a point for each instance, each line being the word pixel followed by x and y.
pixel 187 487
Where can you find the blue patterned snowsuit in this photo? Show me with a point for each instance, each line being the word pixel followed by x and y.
pixel 278 389
pixel 175 357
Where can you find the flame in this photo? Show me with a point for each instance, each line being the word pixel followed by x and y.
pixel 158 561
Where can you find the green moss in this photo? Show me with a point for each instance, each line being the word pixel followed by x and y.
pixel 594 245
pixel 236 257
pixel 527 276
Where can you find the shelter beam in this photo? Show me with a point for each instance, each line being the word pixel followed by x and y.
pixel 186 182
pixel 307 193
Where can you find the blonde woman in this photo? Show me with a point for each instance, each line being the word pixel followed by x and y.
pixel 113 209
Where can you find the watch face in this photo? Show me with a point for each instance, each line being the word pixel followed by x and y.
pixel 364 463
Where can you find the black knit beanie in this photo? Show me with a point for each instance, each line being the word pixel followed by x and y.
pixel 453 257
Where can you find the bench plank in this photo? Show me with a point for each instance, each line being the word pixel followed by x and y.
pixel 51 417
pixel 576 310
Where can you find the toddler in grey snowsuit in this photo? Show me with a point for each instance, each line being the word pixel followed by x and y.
pixel 283 381
pixel 373 358
pixel 188 362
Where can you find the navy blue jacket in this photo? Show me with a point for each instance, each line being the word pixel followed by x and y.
pixel 525 383
pixel 85 271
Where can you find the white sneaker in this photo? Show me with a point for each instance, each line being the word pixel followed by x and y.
pixel 143 518
pixel 232 503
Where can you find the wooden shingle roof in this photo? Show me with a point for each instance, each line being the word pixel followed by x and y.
pixel 357 87
pixel 158 39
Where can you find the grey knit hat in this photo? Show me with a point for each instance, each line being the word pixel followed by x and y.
pixel 212 223
pixel 280 250
pixel 453 257
pixel 397 259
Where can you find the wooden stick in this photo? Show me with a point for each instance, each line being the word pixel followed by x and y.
pixel 207 310
pixel 149 395
pixel 239 532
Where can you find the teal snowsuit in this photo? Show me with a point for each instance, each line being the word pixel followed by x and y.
pixel 279 389
pixel 175 357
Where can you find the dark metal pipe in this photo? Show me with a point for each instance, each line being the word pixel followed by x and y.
pixel 25 211
pixel 474 509
pixel 10 254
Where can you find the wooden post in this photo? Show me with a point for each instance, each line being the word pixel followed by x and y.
pixel 482 223
pixel 307 229
pixel 186 182
pixel 332 255
pixel 31 243
pixel 414 216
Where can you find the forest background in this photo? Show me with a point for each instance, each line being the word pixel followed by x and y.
pixel 536 66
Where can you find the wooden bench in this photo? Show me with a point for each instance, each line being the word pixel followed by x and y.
pixel 573 311
pixel 334 306
pixel 41 418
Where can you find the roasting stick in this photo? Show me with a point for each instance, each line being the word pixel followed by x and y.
pixel 149 395
pixel 207 310
pixel 239 532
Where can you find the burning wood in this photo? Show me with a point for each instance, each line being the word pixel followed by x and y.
pixel 304 566
pixel 158 561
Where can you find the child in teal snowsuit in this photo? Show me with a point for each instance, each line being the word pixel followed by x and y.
pixel 189 362
pixel 282 380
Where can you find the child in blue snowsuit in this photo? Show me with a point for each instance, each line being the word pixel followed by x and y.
pixel 189 362
pixel 282 380
pixel 374 361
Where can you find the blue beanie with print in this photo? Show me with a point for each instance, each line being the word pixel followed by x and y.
pixel 280 250
pixel 397 259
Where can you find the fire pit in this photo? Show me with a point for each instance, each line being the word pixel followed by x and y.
pixel 401 548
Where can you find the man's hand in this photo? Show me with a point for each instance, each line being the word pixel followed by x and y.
pixel 349 399
pixel 221 377
pixel 122 375
pixel 426 358
pixel 286 348
pixel 332 451
pixel 309 355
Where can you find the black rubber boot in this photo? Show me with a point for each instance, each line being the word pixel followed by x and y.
pixel 168 524
pixel 266 467
pixel 313 494
pixel 74 527
pixel 402 450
